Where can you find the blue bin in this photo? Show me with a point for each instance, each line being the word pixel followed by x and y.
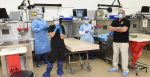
pixel 113 17
pixel 68 18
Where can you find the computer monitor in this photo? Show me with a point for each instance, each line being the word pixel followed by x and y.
pixel 3 13
pixel 79 13
pixel 145 9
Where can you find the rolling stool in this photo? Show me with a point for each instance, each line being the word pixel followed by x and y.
pixel 23 73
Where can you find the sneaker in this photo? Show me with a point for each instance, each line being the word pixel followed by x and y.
pixel 113 69
pixel 125 74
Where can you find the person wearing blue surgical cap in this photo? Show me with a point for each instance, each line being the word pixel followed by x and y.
pixel 57 33
pixel 41 43
pixel 86 30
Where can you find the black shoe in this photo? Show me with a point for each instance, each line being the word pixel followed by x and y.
pixel 38 64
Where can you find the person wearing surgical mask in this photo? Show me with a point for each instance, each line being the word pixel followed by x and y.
pixel 39 16
pixel 57 34
pixel 120 28
pixel 41 42
pixel 86 32
pixel 120 16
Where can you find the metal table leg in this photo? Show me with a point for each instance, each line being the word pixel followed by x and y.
pixel 81 62
pixel 69 64
pixel 87 64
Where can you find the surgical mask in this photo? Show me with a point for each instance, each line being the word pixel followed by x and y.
pixel 86 21
pixel 39 16
pixel 56 22
pixel 120 16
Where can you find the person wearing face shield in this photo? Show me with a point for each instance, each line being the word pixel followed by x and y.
pixel 86 32
pixel 57 33
pixel 120 28
pixel 41 42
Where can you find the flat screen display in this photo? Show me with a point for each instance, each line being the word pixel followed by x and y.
pixel 79 13
pixel 145 9
pixel 3 13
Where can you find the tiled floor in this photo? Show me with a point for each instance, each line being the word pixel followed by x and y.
pixel 99 69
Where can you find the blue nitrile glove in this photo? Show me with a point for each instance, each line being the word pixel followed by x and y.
pixel 60 30
pixel 57 27
pixel 111 33
pixel 55 30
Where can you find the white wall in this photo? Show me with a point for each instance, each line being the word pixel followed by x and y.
pixel 131 6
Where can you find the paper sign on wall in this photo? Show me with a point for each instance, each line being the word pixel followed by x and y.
pixel 93 22
pixel 145 23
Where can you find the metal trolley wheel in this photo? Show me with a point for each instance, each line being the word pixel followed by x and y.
pixel 70 70
pixel 88 66
pixel 138 70
pixel 107 61
pixel 146 71
pixel 136 74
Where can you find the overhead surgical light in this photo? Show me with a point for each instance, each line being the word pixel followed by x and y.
pixel 109 9
pixel 24 6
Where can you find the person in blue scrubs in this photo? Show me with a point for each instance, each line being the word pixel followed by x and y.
pixel 41 43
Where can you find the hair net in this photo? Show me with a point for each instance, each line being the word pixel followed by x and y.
pixel 86 18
